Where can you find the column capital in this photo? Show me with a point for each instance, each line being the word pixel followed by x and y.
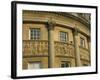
pixel 51 52
pixel 76 30
pixel 50 24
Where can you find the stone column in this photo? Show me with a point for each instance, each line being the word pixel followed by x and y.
pixel 89 48
pixel 77 52
pixel 88 42
pixel 51 53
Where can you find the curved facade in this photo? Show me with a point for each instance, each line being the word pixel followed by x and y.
pixel 55 39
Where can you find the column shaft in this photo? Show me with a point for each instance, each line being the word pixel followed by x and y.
pixel 51 48
pixel 51 52
pixel 77 52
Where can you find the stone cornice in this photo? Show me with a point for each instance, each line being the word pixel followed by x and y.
pixel 65 14
pixel 79 19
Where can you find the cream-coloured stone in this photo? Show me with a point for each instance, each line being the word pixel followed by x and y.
pixel 69 23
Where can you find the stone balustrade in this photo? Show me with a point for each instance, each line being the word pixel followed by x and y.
pixel 40 47
pixel 84 53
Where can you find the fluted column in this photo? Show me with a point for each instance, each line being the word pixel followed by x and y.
pixel 77 52
pixel 51 53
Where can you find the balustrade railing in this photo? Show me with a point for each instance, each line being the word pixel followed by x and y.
pixel 84 53
pixel 64 49
pixel 35 47
pixel 40 47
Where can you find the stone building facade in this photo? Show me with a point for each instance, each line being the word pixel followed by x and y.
pixel 55 39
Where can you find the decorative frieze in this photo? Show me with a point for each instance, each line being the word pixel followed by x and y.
pixel 31 47
pixel 35 47
pixel 64 49
pixel 84 54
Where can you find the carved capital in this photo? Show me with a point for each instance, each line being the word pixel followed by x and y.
pixel 50 24
pixel 76 30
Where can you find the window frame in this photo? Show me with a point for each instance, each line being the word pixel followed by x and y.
pixel 83 43
pixel 33 62
pixel 64 62
pixel 85 64
pixel 66 36
pixel 39 34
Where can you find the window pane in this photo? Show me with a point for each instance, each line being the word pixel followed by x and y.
pixel 62 65
pixel 82 42
pixel 34 65
pixel 35 34
pixel 85 64
pixel 65 64
pixel 63 36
